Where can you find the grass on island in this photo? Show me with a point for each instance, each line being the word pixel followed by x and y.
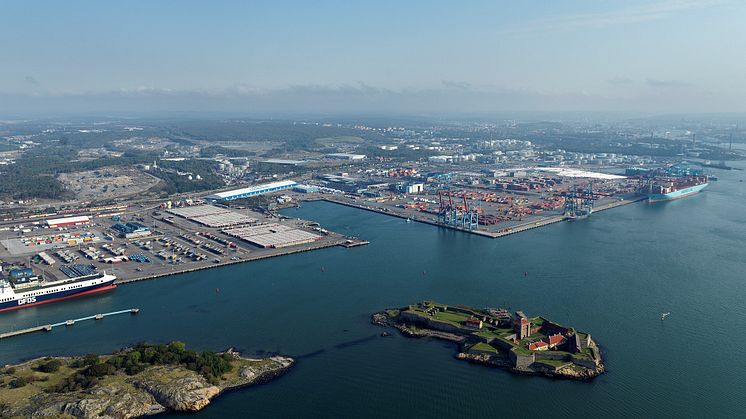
pixel 585 353
pixel 481 346
pixel 494 333
pixel 538 321
pixel 451 317
pixel 392 313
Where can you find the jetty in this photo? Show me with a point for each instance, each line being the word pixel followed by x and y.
pixel 354 242
pixel 48 327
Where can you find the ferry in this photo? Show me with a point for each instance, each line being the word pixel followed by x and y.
pixel 14 295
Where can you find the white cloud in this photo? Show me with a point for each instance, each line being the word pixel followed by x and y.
pixel 625 15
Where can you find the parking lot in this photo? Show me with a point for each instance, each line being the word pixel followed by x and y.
pixel 173 243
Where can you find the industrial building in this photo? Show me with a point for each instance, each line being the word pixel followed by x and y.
pixel 131 230
pixel 252 191
pixel 68 221
pixel 306 189
pixel 415 188
pixel 272 235
pixel 212 216
pixel 346 156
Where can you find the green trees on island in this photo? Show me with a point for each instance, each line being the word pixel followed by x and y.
pixel 91 368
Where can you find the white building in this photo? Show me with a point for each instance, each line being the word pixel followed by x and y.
pixel 415 188
pixel 346 156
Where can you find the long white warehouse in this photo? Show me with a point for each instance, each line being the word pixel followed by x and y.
pixel 252 191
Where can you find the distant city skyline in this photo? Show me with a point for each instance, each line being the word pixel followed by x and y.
pixel 384 57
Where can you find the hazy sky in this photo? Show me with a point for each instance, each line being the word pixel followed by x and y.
pixel 381 56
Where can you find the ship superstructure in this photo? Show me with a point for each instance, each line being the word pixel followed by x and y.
pixel 14 295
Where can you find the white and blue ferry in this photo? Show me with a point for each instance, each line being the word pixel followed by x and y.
pixel 35 292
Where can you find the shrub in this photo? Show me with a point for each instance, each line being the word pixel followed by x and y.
pixel 90 359
pixel 20 382
pixel 50 366
pixel 99 370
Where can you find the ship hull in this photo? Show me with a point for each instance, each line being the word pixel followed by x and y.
pixel 681 193
pixel 55 296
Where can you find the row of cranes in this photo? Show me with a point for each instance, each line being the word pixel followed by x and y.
pixel 578 204
pixel 453 215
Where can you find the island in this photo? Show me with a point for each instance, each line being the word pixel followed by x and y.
pixel 494 337
pixel 142 380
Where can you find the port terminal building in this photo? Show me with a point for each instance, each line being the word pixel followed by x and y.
pixel 252 191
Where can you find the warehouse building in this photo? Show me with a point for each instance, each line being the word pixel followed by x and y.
pixel 252 191
pixel 67 221
pixel 272 235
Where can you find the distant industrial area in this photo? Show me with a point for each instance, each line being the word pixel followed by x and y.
pixel 146 200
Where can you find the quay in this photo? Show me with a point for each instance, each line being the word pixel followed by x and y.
pixel 494 235
pixel 394 214
pixel 48 327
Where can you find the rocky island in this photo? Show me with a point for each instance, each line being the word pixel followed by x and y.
pixel 494 337
pixel 133 382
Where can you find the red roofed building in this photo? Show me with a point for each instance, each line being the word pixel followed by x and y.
pixel 556 340
pixel 538 346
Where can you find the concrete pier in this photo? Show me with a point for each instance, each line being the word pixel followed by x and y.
pixel 48 327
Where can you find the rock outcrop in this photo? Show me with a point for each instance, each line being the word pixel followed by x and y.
pixel 184 394
pixel 155 390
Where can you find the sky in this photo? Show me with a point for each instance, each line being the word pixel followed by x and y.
pixel 657 56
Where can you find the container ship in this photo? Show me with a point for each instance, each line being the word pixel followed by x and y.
pixel 31 291
pixel 667 189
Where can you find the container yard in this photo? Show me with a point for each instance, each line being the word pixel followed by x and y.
pixel 486 205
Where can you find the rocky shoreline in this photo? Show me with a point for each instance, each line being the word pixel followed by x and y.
pixel 28 390
pixel 547 367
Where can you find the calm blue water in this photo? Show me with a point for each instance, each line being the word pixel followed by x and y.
pixel 611 275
